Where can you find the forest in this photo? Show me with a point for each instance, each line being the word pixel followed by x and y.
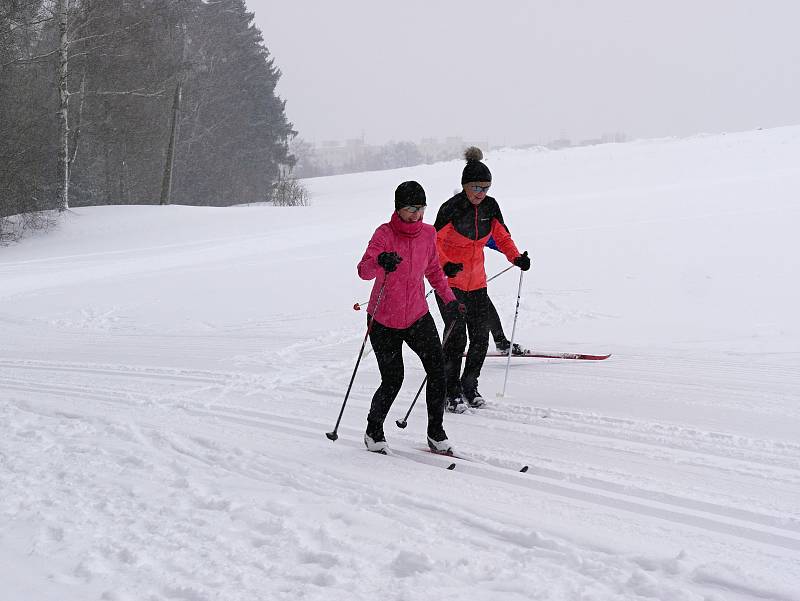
pixel 136 102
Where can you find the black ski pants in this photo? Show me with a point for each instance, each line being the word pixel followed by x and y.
pixel 495 327
pixel 477 325
pixel 387 343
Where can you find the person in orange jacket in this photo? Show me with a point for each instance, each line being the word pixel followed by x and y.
pixel 463 226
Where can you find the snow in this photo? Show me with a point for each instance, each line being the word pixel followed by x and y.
pixel 167 376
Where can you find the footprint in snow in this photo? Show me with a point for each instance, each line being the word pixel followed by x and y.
pixel 407 564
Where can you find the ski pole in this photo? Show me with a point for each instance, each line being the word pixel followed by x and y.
pixel 357 306
pixel 402 423
pixel 333 435
pixel 497 275
pixel 513 330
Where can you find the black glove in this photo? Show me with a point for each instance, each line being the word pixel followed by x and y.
pixel 389 261
pixel 451 269
pixel 523 261
pixel 455 309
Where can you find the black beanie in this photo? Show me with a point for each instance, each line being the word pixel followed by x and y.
pixel 408 194
pixel 475 171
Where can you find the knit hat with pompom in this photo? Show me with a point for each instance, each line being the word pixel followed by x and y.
pixel 475 171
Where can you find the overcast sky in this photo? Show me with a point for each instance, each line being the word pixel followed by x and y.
pixel 524 71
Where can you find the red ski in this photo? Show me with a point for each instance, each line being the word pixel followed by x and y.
pixel 541 355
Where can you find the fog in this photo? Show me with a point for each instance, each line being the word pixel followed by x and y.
pixel 511 72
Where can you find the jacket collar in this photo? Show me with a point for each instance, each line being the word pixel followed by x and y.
pixel 409 230
pixel 464 203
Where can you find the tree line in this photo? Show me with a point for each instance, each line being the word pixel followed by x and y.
pixel 392 155
pixel 136 102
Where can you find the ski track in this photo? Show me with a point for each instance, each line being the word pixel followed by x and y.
pixel 218 406
pixel 665 436
pixel 766 453
pixel 577 492
pixel 732 521
pixel 266 530
pixel 505 549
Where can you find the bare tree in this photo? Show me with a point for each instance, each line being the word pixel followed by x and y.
pixel 61 14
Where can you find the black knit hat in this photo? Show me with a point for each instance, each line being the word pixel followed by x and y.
pixel 408 194
pixel 475 171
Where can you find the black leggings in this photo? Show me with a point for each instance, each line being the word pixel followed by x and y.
pixel 422 338
pixel 477 324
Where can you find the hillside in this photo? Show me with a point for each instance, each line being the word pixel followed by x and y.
pixel 167 375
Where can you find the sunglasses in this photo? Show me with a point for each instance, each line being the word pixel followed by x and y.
pixel 479 189
pixel 414 209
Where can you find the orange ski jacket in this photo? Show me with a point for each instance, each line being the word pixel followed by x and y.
pixel 462 230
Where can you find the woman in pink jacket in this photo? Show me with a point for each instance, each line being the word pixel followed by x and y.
pixel 399 254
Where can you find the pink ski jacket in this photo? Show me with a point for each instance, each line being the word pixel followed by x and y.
pixel 403 300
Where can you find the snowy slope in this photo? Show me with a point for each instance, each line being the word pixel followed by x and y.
pixel 167 375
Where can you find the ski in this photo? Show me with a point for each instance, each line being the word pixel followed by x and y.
pixel 447 465
pixel 406 455
pixel 541 355
pixel 521 470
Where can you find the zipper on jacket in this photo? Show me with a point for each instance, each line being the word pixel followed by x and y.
pixel 473 247
pixel 408 281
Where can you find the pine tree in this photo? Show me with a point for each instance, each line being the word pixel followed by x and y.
pixel 234 131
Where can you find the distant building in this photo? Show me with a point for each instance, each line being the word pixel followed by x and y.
pixel 615 138
pixel 560 143
pixel 334 155
pixel 607 138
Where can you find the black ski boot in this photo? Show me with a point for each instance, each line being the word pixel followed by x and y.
pixel 474 398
